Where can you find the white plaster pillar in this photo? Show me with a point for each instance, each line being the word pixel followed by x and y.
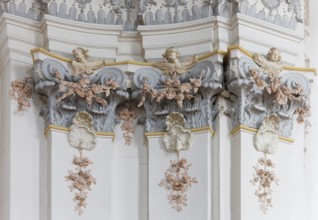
pixel 285 196
pixel 20 136
pixel 60 199
pixel 222 169
pixel 199 195
pixel 311 154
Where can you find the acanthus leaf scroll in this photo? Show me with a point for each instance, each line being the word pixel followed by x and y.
pixel 65 94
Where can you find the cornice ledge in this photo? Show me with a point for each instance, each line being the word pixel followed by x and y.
pixel 80 26
pixel 178 27
pixel 266 27
pixel 18 21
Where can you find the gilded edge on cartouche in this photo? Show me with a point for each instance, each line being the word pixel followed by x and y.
pixel 254 130
pixel 194 130
pixel 64 129
pixel 249 54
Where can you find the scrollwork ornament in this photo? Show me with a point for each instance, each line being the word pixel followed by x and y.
pixel 177 180
pixel 82 136
pixel 267 137
pixel 266 141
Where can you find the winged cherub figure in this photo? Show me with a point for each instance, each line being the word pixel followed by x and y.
pixel 271 65
pixel 172 65
pixel 81 65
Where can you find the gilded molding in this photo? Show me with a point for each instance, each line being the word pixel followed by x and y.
pixel 193 130
pixel 66 130
pixel 125 62
pixel 235 130
pixel 211 54
pixel 53 55
pixel 199 58
pixel 250 55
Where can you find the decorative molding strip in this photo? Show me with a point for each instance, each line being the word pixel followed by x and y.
pixel 126 62
pixel 53 55
pixel 50 128
pixel 193 130
pixel 254 130
pixel 199 58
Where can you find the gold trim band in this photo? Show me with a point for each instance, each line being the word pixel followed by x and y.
pixel 254 130
pixel 126 62
pixel 56 56
pixel 249 54
pixel 221 52
pixel 194 130
pixel 64 129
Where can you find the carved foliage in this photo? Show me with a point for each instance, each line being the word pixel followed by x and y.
pixel 82 137
pixel 257 91
pixel 190 93
pixel 21 91
pixel 178 181
pixel 65 94
pixel 128 118
pixel 266 141
pixel 264 177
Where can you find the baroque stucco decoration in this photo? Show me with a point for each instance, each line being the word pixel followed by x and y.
pixel 177 136
pixel 191 92
pixel 21 92
pixel 130 14
pixel 266 141
pixel 177 180
pixel 172 65
pixel 81 65
pixel 128 117
pixel 259 88
pixel 65 94
pixel 82 137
